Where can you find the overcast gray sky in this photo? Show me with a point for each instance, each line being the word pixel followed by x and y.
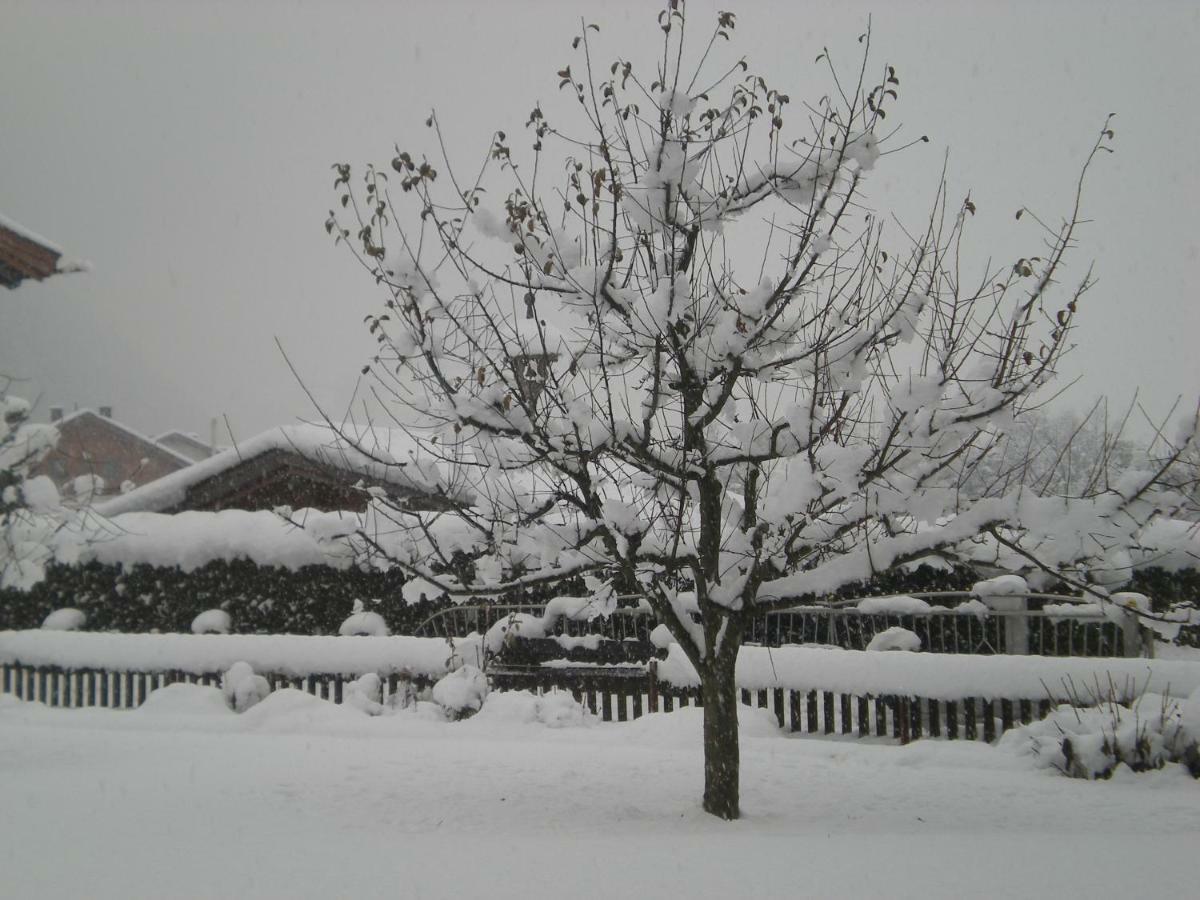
pixel 185 149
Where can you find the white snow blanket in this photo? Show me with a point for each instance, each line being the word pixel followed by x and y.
pixel 286 654
pixel 941 676
pixel 303 799
pixel 192 539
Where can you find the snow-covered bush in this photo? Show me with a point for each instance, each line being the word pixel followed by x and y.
pixel 363 623
pixel 365 693
pixel 1110 737
pixel 66 619
pixel 31 511
pixel 242 687
pixel 461 693
pixel 212 621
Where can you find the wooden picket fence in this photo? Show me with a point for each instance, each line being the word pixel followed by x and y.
pixel 616 694
pixel 620 695
pixel 79 688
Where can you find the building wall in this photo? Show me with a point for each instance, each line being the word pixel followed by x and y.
pixel 91 445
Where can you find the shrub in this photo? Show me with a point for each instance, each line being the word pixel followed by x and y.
pixel 1096 740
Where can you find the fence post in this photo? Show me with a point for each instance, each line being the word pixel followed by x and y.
pixel 1016 623
pixel 1131 633
pixel 653 693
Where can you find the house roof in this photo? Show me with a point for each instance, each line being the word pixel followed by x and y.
pixel 383 456
pixel 25 254
pixel 82 415
pixel 187 440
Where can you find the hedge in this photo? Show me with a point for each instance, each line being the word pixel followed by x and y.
pixel 316 599
pixel 259 599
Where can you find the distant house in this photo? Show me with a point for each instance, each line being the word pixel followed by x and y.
pixel 92 443
pixel 185 444
pixel 301 467
pixel 26 255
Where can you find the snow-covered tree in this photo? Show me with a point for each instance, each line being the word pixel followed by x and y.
pixel 30 508
pixel 668 351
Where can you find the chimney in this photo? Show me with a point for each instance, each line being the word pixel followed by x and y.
pixel 106 412
pixel 56 413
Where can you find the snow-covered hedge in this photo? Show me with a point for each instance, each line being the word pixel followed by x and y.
pixel 258 599
pixel 941 676
pixel 290 655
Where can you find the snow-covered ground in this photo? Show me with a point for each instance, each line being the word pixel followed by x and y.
pixel 297 798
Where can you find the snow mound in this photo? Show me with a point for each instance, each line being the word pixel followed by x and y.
pixel 684 727
pixel 212 621
pixel 290 711
pixel 1000 586
pixel 555 710
pixel 365 693
pixel 895 638
pixel 461 693
pixel 185 699
pixel 972 607
pixel 895 606
pixel 67 619
pixel 364 624
pixel 242 688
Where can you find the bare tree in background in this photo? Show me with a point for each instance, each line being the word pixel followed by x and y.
pixel 1061 454
pixel 669 350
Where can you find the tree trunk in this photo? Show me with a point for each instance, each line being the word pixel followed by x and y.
pixel 722 759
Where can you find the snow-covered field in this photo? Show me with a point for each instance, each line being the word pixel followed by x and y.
pixel 297 798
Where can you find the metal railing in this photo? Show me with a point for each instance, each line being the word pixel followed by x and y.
pixel 459 621
pixel 943 629
pixel 948 629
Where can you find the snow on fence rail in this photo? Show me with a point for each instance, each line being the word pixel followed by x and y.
pixel 289 655
pixel 942 676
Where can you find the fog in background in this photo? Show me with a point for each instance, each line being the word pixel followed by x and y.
pixel 185 149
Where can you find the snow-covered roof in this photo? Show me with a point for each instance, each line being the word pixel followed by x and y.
pixel 186 443
pixel 386 456
pixel 182 435
pixel 62 263
pixel 81 414
pixel 29 234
